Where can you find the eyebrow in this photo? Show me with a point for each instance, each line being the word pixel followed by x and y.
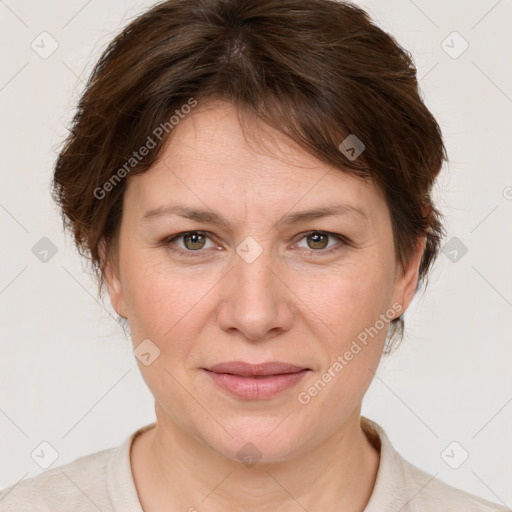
pixel 209 217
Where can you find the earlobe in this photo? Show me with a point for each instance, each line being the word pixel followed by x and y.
pixel 112 280
pixel 406 282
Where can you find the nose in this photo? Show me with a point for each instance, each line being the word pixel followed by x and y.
pixel 255 300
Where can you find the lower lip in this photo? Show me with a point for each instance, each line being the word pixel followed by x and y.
pixel 256 388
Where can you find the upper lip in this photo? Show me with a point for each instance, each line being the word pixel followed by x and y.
pixel 247 369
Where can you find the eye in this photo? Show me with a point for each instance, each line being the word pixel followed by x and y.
pixel 193 241
pixel 317 241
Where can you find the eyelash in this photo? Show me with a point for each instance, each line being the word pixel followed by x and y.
pixel 193 254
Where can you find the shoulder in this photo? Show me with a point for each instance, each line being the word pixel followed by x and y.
pixel 402 486
pixel 67 487
pixel 428 493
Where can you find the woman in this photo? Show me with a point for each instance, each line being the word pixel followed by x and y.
pixel 252 183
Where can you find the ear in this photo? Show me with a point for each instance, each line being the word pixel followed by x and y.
pixel 407 280
pixel 110 272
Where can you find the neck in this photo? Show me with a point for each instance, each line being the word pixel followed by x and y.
pixel 173 470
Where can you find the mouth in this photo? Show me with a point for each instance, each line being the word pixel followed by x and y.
pixel 256 381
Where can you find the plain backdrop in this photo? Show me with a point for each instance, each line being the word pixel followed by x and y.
pixel 67 373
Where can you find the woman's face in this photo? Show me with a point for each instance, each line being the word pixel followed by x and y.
pixel 258 286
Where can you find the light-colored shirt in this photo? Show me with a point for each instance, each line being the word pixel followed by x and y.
pixel 103 481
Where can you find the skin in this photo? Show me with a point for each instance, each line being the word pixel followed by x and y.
pixel 294 303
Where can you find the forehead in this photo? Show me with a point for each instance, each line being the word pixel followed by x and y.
pixel 211 160
pixel 213 137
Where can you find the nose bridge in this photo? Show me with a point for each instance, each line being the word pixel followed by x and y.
pixel 255 270
pixel 257 301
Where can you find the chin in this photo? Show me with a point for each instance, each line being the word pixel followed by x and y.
pixel 256 441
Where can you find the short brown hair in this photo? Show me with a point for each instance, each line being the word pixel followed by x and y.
pixel 317 70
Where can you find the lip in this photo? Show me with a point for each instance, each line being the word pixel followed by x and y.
pixel 256 381
pixel 244 369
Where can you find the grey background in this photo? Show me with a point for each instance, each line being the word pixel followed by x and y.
pixel 67 373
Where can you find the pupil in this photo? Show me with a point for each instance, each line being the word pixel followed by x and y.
pixel 316 237
pixel 194 238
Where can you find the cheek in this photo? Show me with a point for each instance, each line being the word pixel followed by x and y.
pixel 350 298
pixel 351 305
pixel 159 298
